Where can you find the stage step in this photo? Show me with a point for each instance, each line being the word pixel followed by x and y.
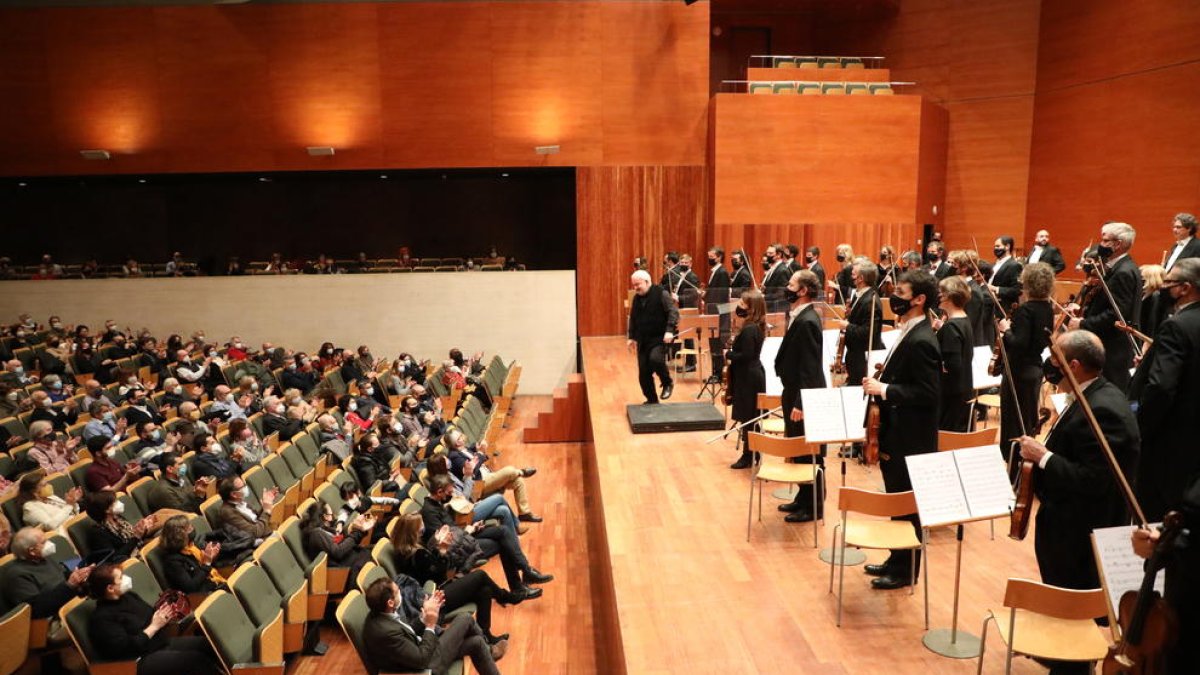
pixel 566 422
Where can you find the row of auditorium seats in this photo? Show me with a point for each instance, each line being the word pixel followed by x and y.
pixel 817 62
pixel 819 88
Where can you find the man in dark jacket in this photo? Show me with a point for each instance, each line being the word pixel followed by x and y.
pixel 36 579
pixel 1124 281
pixel 653 320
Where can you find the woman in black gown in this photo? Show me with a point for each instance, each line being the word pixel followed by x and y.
pixel 1026 336
pixel 957 344
pixel 747 379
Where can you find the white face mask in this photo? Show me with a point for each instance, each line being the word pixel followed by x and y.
pixel 126 584
pixel 352 407
pixel 369 391
pixel 118 507
pixel 48 549
pixel 253 386
pixel 245 492
pixel 229 398
pixel 178 391
pixel 396 426
pixel 353 503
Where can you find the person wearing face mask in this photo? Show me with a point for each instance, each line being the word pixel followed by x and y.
pixel 237 514
pixel 908 390
pixel 1124 282
pixel 335 441
pixel 1026 336
pixel 370 465
pixel 247 449
pixel 718 277
pixel 957 346
pixel 187 369
pixel 355 504
pixel 1075 486
pixel 174 394
pixel 471 461
pixel 55 358
pixel 250 394
pixel 494 507
pixel 53 451
pixel 775 277
pixel 1165 388
pixel 34 578
pixel 13 400
pixel 393 444
pixel 105 472
pixel 107 530
pixel 742 277
pixel 653 320
pixel 92 392
pixel 55 388
pixel 862 329
pixel 278 419
pixel 124 627
pixel 812 262
pixel 371 397
pixel 983 328
pixel 141 408
pixel 227 403
pixel 59 416
pixel 40 507
pixel 152 443
pixel 844 277
pixel 187 567
pixel 300 374
pixel 360 367
pixel 172 494
pixel 57 328
pixel 210 460
pixel 747 378
pixel 1005 279
pixel 935 260
pixel 236 350
pixel 886 271
pixel 354 414
pixel 321 533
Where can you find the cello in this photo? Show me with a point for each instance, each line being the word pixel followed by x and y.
pixel 1148 624
pixel 871 454
pixel 1023 489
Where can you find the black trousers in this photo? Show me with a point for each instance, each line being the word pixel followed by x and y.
pixel 804 496
pixel 1026 381
pixel 190 655
pixel 463 639
pixel 1065 559
pixel 502 541
pixel 652 360
pixel 901 563
pixel 476 587
pixel 955 412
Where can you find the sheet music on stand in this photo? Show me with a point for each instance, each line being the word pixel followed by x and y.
pixel 1120 568
pixel 834 415
pixel 960 486
pixel 767 357
pixel 980 361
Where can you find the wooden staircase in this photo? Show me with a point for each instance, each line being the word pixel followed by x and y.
pixel 567 421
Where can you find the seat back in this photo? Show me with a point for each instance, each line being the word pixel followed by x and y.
pixel 957 440
pixel 144 583
pixel 369 574
pixel 885 504
pixel 308 447
pixel 232 634
pixel 289 531
pixel 384 555
pixel 259 597
pixel 259 482
pixel 768 401
pixel 133 512
pixel 14 648
pixel 211 508
pixel 296 462
pixel 1061 603
pixel 352 615
pixel 77 527
pixel 279 471
pixel 75 616
pixel 275 557
pixel 777 446
pixel 140 491
pixel 78 473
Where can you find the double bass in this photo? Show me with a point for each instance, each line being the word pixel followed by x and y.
pixel 871 424
pixel 1148 624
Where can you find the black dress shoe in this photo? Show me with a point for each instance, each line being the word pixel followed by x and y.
pixel 801 516
pixel 529 518
pixel 744 462
pixel 493 639
pixel 876 570
pixel 520 595
pixel 649 402
pixel 528 471
pixel 532 576
pixel 666 391
pixel 890 582
pixel 792 507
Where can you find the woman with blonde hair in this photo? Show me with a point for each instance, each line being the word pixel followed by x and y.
pixel 747 379
pixel 1156 306
pixel 957 345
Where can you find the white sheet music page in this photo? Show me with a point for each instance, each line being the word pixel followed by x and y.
pixel 854 404
pixel 824 417
pixel 1119 566
pixel 829 339
pixel 980 361
pixel 767 357
pixel 984 477
pixel 939 492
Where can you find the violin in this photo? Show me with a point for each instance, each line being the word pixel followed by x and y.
pixel 1023 508
pixel 1148 624
pixel 994 366
pixel 871 454
pixel 837 369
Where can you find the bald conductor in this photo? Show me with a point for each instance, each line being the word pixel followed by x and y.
pixel 653 320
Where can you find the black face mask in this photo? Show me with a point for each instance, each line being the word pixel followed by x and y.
pixel 999 251
pixel 931 258
pixel 900 306
pixel 737 264
pixel 766 264
pixel 1053 373
pixel 1088 268
pixel 742 312
pixel 684 267
pixel 1105 252
pixel 790 295
pixel 809 259
pixel 841 258
pixel 712 262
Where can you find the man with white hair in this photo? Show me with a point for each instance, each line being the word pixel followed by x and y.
pixel 1124 282
pixel 1044 251
pixel 653 319
pixel 36 579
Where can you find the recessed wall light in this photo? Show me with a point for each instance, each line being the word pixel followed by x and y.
pixel 320 150
pixel 95 154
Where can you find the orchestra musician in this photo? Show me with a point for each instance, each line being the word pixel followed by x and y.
pixel 1124 281
pixel 742 278
pixel 1183 229
pixel 908 389
pixel 844 282
pixel 1044 252
pixel 957 346
pixel 716 292
pixel 883 271
pixel 670 275
pixel 747 379
pixel 1073 480
pixel 775 277
pixel 935 258
pixel 982 326
pixel 864 300
pixel 1169 386
pixel 653 320
pixel 812 261
pixel 1026 336
pixel 1006 274
pixel 798 365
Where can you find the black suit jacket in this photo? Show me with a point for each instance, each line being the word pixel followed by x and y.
pixel 1167 415
pixel 1125 283
pixel 742 278
pixel 1052 257
pixel 394 648
pixel 798 361
pixel 1190 250
pixel 717 289
pixel 819 270
pixel 859 316
pixel 133 415
pixel 957 347
pixel 908 417
pixel 940 272
pixel 777 277
pixel 1008 280
pixel 1077 484
pixel 845 283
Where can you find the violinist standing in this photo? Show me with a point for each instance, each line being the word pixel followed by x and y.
pixel 908 390
pixel 747 378
pixel 1006 274
pixel 861 330
pixel 1026 335
pixel 716 293
pixel 957 346
pixel 1124 281
pixel 798 365
pixel 1074 484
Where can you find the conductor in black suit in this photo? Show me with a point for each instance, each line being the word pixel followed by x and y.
pixel 1005 279
pixel 653 320
pixel 1044 252
pixel 798 365
pixel 812 260
pixel 1076 487
pixel 1124 281
pixel 1167 396
pixel 860 328
pixel 908 392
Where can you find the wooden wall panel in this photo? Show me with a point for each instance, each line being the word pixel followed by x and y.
pixel 399 85
pixel 625 212
pixel 798 159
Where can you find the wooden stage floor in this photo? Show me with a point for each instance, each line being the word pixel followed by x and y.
pixel 693 596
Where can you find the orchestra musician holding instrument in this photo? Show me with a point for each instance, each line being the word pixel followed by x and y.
pixel 956 343
pixel 1026 335
pixel 908 390
pixel 1123 282
pixel 747 378
pixel 859 327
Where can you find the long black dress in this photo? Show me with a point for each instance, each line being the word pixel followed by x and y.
pixel 1026 339
pixel 956 342
pixel 747 379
